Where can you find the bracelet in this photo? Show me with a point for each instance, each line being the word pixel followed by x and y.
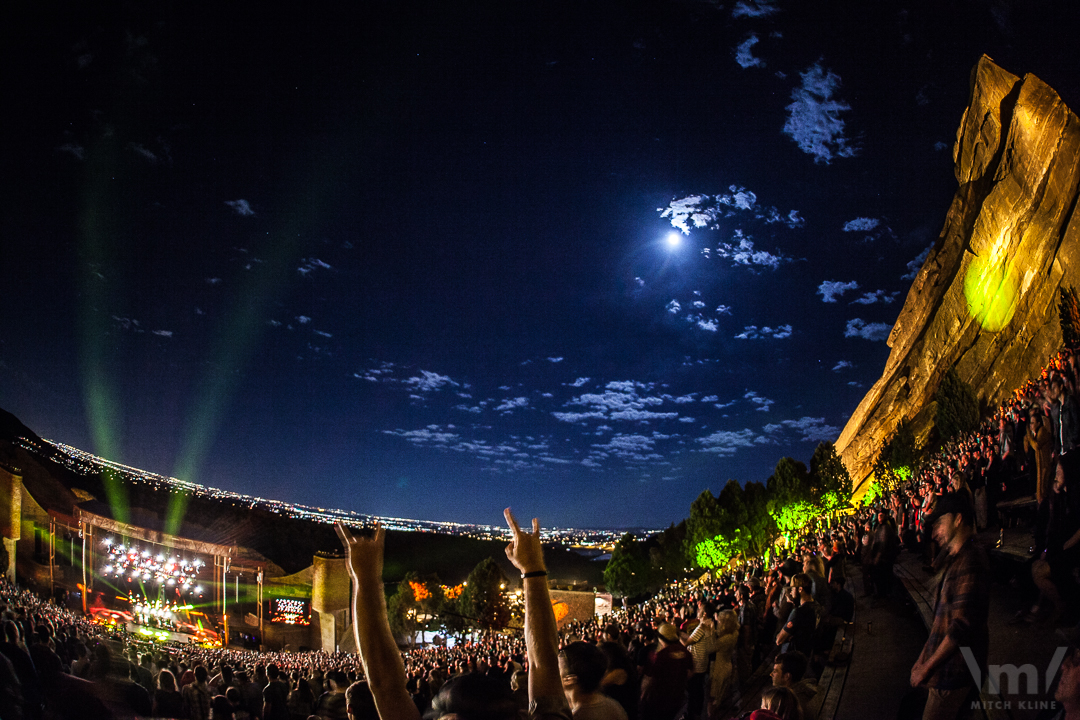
pixel 533 573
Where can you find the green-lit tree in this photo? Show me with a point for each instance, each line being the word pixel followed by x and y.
pixel 898 458
pixel 706 521
pixel 830 484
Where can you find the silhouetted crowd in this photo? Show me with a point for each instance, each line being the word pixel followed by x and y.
pixel 691 652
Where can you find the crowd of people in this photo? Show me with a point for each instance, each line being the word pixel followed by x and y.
pixel 689 652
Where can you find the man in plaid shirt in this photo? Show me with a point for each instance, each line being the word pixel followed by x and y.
pixel 961 614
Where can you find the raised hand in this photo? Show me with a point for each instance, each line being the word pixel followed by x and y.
pixel 364 555
pixel 524 549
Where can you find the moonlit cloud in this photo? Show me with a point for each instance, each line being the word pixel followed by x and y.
pixel 425 436
pixel 77 151
pixel 810 429
pixel 145 153
pixel 673 307
pixel 621 400
pixel 831 290
pixel 213 281
pixel 126 323
pixel 511 404
pixel 752 332
pixel 241 207
pixel 861 224
pixel 726 442
pixel 754 8
pixel 744 253
pixel 878 296
pixel 633 447
pixel 308 265
pixel 723 309
pixel 841 366
pixel 579 382
pixel 427 381
pixel 303 319
pixel 555 359
pixel 709 325
pixel 162 333
pixel 814 116
pixel 706 211
pixel 744 53
pixel 915 265
pixel 763 403
pixel 857 327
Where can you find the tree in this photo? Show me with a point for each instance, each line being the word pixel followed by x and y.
pixel 957 411
pixel 761 530
pixel 415 605
pixel 705 522
pixel 898 458
pixel 483 601
pixel 666 556
pixel 629 572
pixel 830 483
pixel 1069 317
pixel 790 482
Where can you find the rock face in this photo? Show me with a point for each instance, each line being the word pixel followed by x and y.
pixel 986 297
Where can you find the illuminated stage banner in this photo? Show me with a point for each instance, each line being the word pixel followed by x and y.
pixel 290 611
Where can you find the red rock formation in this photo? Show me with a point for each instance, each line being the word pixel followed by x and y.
pixel 986 297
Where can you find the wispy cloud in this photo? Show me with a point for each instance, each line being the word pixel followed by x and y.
pixel 241 207
pixel 744 53
pixel 633 447
pixel 673 307
pixel 878 296
pixel 857 327
pixel 427 381
pixel 843 364
pixel 621 400
pixel 763 403
pixel 511 404
pixel 861 224
pixel 753 332
pixel 727 442
pixel 744 253
pixel 831 290
pixel 555 359
pixel 162 333
pixel 915 265
pixel 706 211
pixel 77 151
pixel 579 382
pixel 754 8
pixel 308 265
pixel 811 429
pixel 814 116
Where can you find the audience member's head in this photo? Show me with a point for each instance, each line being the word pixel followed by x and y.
pixel 788 668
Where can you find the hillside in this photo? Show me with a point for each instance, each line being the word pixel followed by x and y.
pixel 286 542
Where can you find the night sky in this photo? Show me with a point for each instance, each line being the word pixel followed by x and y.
pixel 419 259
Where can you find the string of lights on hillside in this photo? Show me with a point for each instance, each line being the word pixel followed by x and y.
pixel 85 463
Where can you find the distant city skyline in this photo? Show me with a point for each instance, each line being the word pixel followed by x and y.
pixel 581 259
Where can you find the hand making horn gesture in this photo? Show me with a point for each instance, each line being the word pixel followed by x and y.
pixel 524 549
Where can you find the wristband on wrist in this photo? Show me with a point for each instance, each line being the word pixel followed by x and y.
pixel 533 573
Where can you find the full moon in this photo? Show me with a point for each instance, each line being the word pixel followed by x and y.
pixel 674 240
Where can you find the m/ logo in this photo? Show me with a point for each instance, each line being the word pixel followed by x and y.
pixel 1013 673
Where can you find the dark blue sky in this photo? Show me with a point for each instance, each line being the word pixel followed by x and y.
pixel 412 259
